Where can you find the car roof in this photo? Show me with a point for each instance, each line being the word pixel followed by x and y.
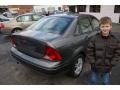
pixel 64 15
pixel 27 14
pixel 86 15
pixel 72 15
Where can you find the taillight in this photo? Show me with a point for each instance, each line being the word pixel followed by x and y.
pixel 13 41
pixel 52 54
pixel 2 25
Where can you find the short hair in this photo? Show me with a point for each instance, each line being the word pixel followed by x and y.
pixel 105 20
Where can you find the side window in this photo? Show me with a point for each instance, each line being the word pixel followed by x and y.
pixel 95 23
pixel 26 18
pixel 84 25
pixel 5 20
pixel 19 19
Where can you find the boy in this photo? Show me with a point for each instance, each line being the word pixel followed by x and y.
pixel 103 52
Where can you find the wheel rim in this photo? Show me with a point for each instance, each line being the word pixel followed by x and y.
pixel 78 66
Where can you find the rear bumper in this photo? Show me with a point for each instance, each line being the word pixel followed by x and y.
pixel 40 64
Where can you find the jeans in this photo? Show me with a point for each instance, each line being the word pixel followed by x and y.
pixel 104 77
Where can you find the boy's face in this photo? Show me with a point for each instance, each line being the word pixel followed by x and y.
pixel 105 29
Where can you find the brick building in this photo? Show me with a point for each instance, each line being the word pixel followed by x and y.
pixel 21 8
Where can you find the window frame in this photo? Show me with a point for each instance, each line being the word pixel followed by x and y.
pixel 93 8
pixel 72 8
pixel 118 8
pixel 81 31
pixel 83 8
pixel 91 19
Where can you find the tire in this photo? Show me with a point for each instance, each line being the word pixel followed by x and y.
pixel 16 30
pixel 77 67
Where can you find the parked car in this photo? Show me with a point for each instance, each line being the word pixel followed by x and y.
pixel 11 14
pixel 19 23
pixel 55 43
pixel 3 18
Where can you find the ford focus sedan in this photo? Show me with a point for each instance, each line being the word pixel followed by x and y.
pixel 55 43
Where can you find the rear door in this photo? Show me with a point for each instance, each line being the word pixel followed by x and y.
pixel 24 21
pixel 83 32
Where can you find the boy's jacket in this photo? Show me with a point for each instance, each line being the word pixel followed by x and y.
pixel 103 52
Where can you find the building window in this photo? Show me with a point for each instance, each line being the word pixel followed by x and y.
pixel 117 9
pixel 72 9
pixel 59 8
pixel 81 8
pixel 95 8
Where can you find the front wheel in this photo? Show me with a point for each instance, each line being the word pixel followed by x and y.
pixel 77 67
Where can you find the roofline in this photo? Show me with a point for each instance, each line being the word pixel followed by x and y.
pixel 26 14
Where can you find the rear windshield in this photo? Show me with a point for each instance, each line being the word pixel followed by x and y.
pixel 52 24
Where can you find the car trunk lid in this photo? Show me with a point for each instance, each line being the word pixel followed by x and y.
pixel 29 46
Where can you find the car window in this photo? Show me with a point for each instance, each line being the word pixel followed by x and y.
pixel 95 23
pixel 2 20
pixel 19 19
pixel 52 24
pixel 84 25
pixel 25 18
pixel 5 19
pixel 36 17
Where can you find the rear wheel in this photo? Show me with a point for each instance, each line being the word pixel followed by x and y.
pixel 77 67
